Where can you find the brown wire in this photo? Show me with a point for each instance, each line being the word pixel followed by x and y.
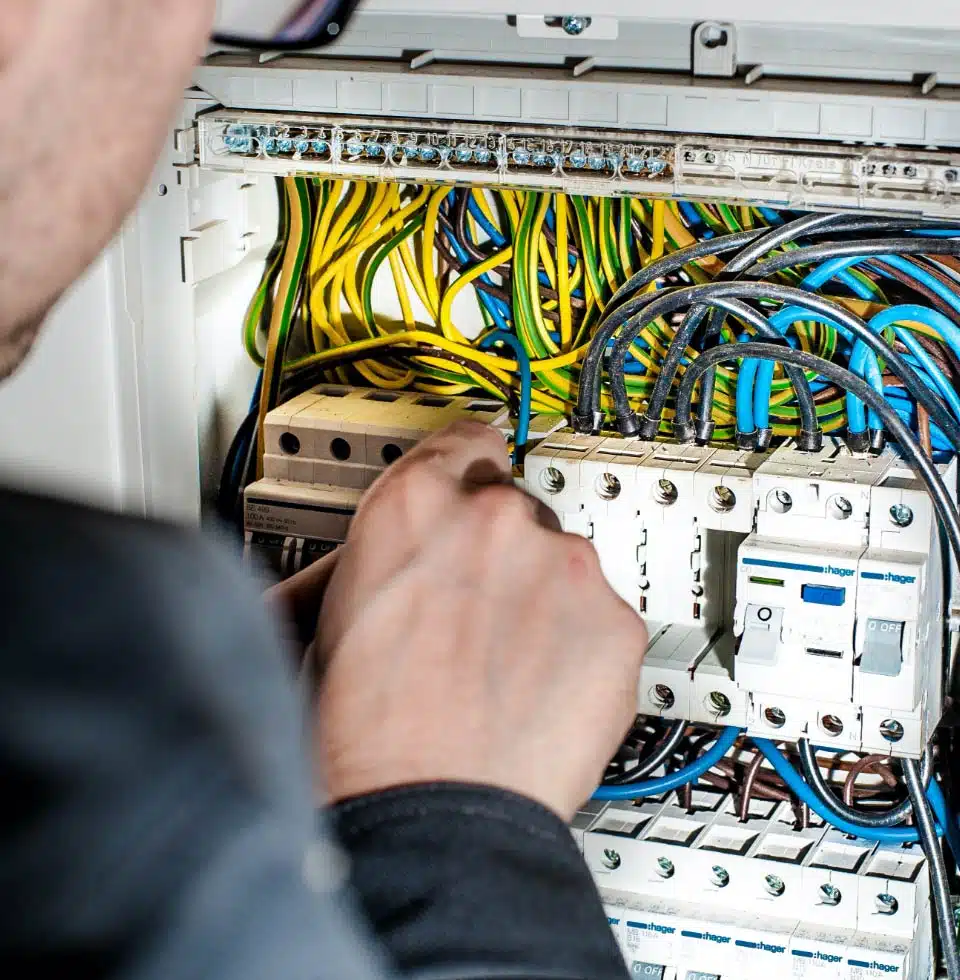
pixel 880 763
pixel 923 425
pixel 749 780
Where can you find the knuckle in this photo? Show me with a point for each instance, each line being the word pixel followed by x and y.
pixel 579 551
pixel 501 507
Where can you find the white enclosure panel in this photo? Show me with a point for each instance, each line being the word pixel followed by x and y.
pixel 774 108
pixel 865 50
pixel 891 13
pixel 60 425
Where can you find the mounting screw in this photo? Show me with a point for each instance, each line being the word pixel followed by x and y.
pixel 886 904
pixel 830 894
pixel 665 867
pixel 714 36
pixel 901 515
pixel 719 876
pixel 574 25
pixel 611 859
pixel 774 884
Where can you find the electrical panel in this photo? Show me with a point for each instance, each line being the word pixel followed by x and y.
pixel 788 594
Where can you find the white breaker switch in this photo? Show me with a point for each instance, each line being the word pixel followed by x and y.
pixel 796 594
pixel 704 894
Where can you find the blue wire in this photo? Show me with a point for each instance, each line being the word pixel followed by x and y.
pixel 935 232
pixel 523 364
pixel 673 780
pixel 770 215
pixel 753 404
pixel 798 786
pixel 257 388
pixel 498 310
pixel 862 356
pixel 493 233
pixel 691 213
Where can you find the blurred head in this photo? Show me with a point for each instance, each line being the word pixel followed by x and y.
pixel 87 92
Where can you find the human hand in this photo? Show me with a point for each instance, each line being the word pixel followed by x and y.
pixel 465 639
pixel 297 599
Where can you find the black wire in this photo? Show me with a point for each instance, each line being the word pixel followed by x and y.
pixel 943 907
pixel 809 426
pixel 711 293
pixel 664 749
pixel 815 254
pixel 588 394
pixel 806 226
pixel 888 818
pixel 231 487
pixel 946 510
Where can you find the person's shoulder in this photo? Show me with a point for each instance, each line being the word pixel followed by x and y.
pixel 60 559
pixel 35 527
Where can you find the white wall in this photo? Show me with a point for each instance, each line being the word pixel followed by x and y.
pixel 59 421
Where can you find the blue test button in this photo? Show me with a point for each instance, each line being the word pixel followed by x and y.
pixel 823 595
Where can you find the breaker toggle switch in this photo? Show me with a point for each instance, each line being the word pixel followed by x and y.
pixel 761 634
pixel 882 647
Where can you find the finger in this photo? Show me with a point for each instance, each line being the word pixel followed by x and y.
pixel 467 453
pixel 298 598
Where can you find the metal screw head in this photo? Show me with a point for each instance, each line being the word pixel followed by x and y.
pixel 333 29
pixel 663 697
pixel 901 515
pixel 891 729
pixel 718 704
pixel 552 480
pixel 719 876
pixel 665 867
pixel 611 859
pixel 950 176
pixel 774 885
pixel 774 717
pixel 574 25
pixel 886 904
pixel 830 894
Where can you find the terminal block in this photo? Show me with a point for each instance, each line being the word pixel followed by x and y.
pixel 700 893
pixel 323 449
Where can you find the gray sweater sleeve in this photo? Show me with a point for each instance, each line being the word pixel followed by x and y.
pixel 157 820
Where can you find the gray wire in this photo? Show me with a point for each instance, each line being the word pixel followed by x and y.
pixel 808 225
pixel 754 244
pixel 860 818
pixel 588 394
pixel 946 510
pixel 936 866
pixel 805 403
pixel 660 755
pixel 669 301
pixel 814 254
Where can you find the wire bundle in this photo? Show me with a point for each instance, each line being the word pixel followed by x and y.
pixel 583 286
